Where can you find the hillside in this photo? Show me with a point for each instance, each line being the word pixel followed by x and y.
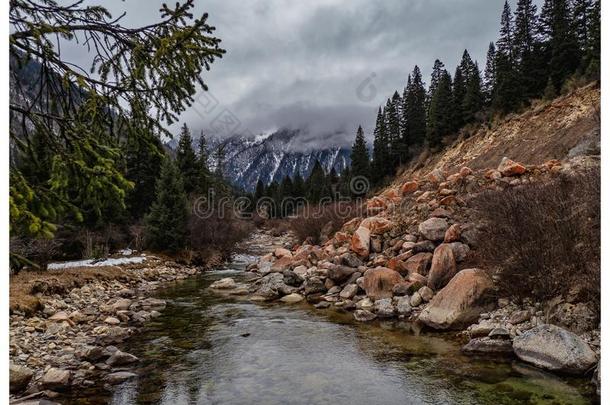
pixel 565 127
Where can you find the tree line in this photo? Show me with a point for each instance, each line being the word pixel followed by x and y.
pixel 537 55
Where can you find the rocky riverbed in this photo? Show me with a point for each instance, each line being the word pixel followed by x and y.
pixel 70 342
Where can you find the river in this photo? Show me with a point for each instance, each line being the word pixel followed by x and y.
pixel 213 349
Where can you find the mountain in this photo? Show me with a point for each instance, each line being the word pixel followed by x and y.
pixel 248 159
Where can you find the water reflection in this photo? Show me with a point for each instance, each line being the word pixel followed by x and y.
pixel 209 349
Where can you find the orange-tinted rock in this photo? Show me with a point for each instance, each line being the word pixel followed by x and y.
pixel 465 171
pixel 342 237
pixel 447 201
pixel 281 264
pixel 376 202
pixel 493 174
pixel 282 252
pixel 461 302
pixel 377 225
pixel 378 282
pixel 453 233
pixel 361 241
pixel 443 267
pixel 419 263
pixel 510 168
pixel 409 187
pixel 397 265
pixel 436 176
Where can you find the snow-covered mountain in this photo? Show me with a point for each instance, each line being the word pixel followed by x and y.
pixel 246 160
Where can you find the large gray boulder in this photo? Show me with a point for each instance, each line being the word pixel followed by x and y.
pixel 20 377
pixel 554 348
pixel 434 229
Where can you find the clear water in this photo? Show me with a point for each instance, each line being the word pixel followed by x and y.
pixel 212 349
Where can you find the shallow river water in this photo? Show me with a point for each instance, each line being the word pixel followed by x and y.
pixel 212 349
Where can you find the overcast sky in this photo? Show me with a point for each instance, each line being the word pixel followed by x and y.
pixel 323 65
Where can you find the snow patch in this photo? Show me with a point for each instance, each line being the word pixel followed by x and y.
pixel 96 262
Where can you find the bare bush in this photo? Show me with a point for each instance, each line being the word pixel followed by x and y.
pixel 34 251
pixel 316 223
pixel 543 239
pixel 216 234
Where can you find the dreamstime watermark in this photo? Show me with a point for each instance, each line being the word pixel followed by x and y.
pixel 339 205
pixel 366 91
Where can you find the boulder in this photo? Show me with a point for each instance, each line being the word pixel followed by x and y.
pixel 419 263
pixel 486 345
pixel 313 285
pixel 361 241
pixel 384 308
pixel 349 291
pixel 423 247
pixel 433 228
pixel 122 304
pixel 436 176
pixel 292 298
pixel 340 273
pixel 271 286
pixel 19 377
pixel 401 288
pixel 409 187
pixel 351 260
pixel 377 225
pixel 556 349
pixel 282 264
pixel 282 252
pixel 415 300
pixel 224 284
pixel 378 282
pixel 460 302
pixel 426 293
pixel 362 315
pixel 443 267
pixel 510 168
pixel 119 377
pixel 119 358
pixel 55 379
pixel 460 251
pixel 518 317
pixel 291 278
pixel 403 306
pixel 452 234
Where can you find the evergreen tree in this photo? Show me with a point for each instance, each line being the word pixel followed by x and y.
pixel 360 156
pixel 298 186
pixel 317 186
pixel 556 26
pixel 143 158
pixel 285 191
pixel 593 51
pixel 529 53
pixel 380 165
pixel 489 78
pixel 395 145
pixel 459 92
pixel 204 177
pixel 473 99
pixel 414 110
pixel 186 160
pixel 260 191
pixel 166 224
pixel 506 95
pixel 440 121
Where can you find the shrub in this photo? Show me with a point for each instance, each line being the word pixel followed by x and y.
pixel 540 240
pixel 315 223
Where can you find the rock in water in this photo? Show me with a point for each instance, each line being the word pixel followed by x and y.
pixel 119 377
pixel 292 298
pixel 460 302
pixel 223 284
pixel 362 315
pixel 487 345
pixel 120 358
pixel 554 348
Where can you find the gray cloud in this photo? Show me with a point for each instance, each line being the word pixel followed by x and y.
pixel 306 64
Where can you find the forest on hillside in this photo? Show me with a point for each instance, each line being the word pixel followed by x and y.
pixel 89 173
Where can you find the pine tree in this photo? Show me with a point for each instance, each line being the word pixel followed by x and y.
pixel 395 145
pixel 414 110
pixel 186 160
pixel 459 92
pixel 473 99
pixel 557 28
pixel 593 50
pixel 204 177
pixel 489 78
pixel 298 186
pixel 529 54
pixel 506 95
pixel 259 191
pixel 381 164
pixel 360 156
pixel 166 224
pixel 441 113
pixel 317 186
pixel 143 159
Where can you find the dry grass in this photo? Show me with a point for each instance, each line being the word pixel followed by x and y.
pixel 316 223
pixel 27 286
